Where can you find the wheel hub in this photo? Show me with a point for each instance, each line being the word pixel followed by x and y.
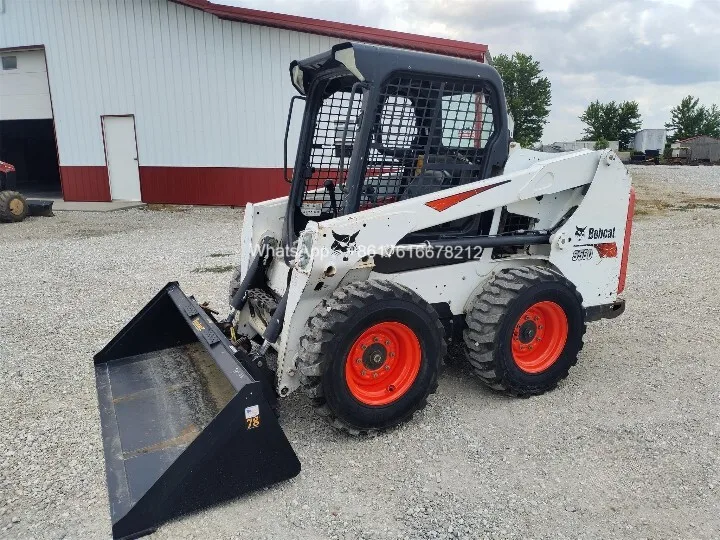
pixel 16 207
pixel 374 356
pixel 383 363
pixel 539 337
pixel 527 331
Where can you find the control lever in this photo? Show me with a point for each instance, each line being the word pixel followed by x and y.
pixel 330 187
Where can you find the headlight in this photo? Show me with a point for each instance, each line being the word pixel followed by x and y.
pixel 303 257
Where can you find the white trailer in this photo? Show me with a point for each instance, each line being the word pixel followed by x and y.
pixel 650 139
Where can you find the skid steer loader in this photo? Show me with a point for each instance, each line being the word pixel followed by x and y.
pixel 412 221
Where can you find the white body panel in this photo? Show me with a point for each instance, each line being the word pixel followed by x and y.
pixel 24 91
pixel 204 92
pixel 122 159
pixel 544 186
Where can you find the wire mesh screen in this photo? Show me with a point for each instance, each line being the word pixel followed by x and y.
pixel 428 135
pixel 327 149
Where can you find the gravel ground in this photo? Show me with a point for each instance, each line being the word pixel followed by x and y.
pixel 626 447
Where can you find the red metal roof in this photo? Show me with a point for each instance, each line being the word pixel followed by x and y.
pixel 448 47
pixel 697 137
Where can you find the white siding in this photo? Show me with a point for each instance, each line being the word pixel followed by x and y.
pixel 204 92
pixel 24 93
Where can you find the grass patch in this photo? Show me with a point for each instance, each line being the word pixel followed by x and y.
pixel 674 203
pixel 214 269
pixel 91 233
pixel 166 208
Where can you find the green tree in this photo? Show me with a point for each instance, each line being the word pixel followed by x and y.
pixel 612 121
pixel 690 119
pixel 711 122
pixel 601 144
pixel 528 95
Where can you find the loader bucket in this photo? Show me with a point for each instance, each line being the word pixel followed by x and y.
pixel 184 423
pixel 40 207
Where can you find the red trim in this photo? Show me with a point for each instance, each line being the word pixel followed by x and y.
pixel 607 250
pixel 626 243
pixel 211 185
pixel 452 200
pixel 478 124
pixel 86 183
pixel 449 47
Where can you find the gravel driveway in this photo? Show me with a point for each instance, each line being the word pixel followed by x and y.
pixel 626 447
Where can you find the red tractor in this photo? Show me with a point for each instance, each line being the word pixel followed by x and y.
pixel 14 207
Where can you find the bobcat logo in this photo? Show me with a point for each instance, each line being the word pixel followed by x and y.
pixel 344 242
pixel 580 231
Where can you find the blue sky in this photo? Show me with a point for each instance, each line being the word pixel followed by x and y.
pixel 652 51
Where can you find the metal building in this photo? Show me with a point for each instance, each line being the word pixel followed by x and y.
pixel 164 101
pixel 701 148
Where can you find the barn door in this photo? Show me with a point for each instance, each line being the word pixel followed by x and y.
pixel 122 157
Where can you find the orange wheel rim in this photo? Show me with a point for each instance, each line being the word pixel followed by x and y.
pixel 383 363
pixel 539 337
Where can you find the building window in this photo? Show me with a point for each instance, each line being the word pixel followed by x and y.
pixel 9 62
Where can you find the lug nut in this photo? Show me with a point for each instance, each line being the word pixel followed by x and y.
pixel 358 361
pixel 375 375
pixel 387 342
pixel 363 372
pixel 387 367
pixel 392 354
pixel 363 347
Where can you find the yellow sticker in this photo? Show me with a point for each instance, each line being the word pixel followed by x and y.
pixel 197 323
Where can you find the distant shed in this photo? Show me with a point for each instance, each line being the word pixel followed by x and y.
pixel 701 148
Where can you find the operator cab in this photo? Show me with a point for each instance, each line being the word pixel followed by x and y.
pixel 383 125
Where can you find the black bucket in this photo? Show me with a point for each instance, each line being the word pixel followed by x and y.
pixel 40 207
pixel 184 423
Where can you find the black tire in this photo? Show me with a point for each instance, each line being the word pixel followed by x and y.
pixel 13 207
pixel 492 320
pixel 334 327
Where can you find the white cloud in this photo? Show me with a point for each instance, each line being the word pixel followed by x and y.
pixel 652 51
pixel 553 5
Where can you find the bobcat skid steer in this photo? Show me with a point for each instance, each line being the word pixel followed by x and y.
pixel 412 221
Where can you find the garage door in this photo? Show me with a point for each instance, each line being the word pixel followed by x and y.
pixel 24 90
